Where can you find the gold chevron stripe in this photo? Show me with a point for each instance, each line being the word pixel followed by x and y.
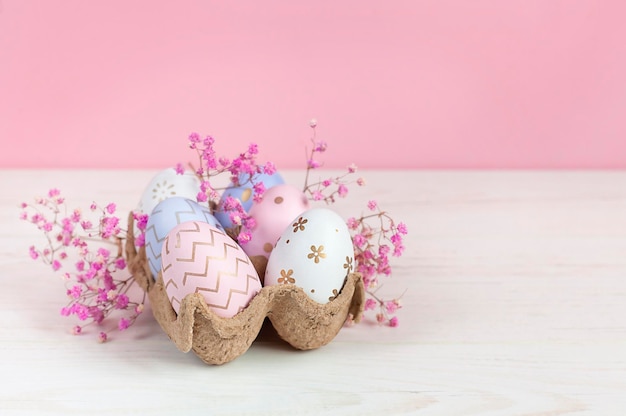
pixel 230 293
pixel 171 282
pixel 219 274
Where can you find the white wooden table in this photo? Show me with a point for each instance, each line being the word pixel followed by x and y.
pixel 515 305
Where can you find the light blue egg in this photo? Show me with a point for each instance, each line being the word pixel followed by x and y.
pixel 166 215
pixel 245 193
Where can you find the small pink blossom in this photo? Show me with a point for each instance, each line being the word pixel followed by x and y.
pixel 201 197
pixel 359 240
pixel 121 301
pixel 269 168
pixel 56 265
pixel 110 208
pixel 372 205
pixel 393 322
pixel 402 229
pixel 352 223
pixel 140 240
pixel 244 237
pixel 313 164
pixel 360 182
pixel 370 304
pixel 102 337
pixel 120 263
pixel 352 168
pixel 391 306
pixel 342 190
pixel 249 222
pixel 320 146
pixel 33 253
pixel 259 191
pixel 180 169
pixel 75 216
pixel 123 324
pixel 75 291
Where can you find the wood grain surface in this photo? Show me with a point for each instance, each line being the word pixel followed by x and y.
pixel 515 304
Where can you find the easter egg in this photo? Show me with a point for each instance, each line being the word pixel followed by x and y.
pixel 167 184
pixel 272 214
pixel 314 252
pixel 166 215
pixel 200 258
pixel 244 193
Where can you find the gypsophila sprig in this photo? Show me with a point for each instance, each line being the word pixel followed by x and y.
pixel 96 284
pixel 375 237
pixel 326 189
pixel 242 170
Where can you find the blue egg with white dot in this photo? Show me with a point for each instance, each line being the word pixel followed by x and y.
pixel 244 193
pixel 166 215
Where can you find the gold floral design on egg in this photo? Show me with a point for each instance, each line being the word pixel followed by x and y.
pixel 160 191
pixel 299 225
pixel 334 296
pixel 316 254
pixel 286 277
pixel 348 265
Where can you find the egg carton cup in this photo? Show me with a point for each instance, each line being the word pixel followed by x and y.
pixel 297 319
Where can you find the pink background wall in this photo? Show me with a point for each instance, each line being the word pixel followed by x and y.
pixel 402 84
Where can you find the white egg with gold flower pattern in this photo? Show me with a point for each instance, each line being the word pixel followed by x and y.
pixel 315 253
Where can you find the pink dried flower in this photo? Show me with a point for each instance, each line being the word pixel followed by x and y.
pixel 269 168
pixel 56 265
pixel 91 282
pixel 123 324
pixel 320 146
pixel 180 169
pixel 371 205
pixel 111 208
pixel 370 304
pixel 352 223
pixel 313 164
pixel 393 322
pixel 244 237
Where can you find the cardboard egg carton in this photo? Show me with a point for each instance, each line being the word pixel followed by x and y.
pixel 298 320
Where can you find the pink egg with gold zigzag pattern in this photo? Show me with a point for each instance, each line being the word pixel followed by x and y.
pixel 199 258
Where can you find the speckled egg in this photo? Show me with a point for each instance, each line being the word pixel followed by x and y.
pixel 244 193
pixel 164 217
pixel 200 258
pixel 315 253
pixel 279 206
